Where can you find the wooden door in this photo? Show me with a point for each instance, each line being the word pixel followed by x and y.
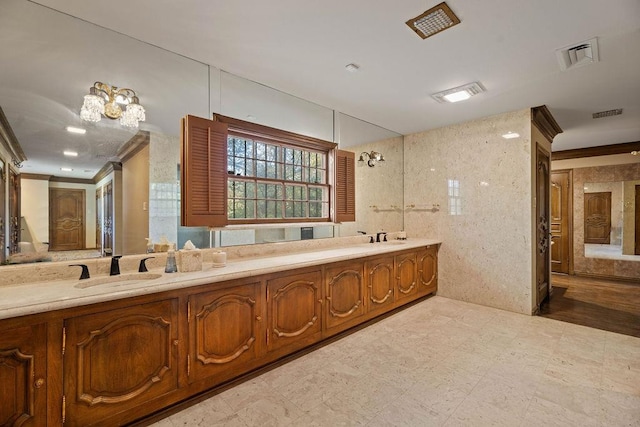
pixel 637 251
pixel 380 284
pixel 3 212
pixel 23 370
pixel 294 310
pixel 597 218
pixel 543 253
pixel 428 270
pixel 14 212
pixel 226 332
pixel 118 360
pixel 66 219
pixel 561 221
pixel 344 294
pixel 406 276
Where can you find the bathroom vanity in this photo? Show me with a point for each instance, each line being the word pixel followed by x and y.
pixel 110 351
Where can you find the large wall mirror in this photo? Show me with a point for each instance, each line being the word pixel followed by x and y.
pixel 611 219
pixel 49 62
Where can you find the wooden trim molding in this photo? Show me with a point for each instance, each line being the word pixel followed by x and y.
pixel 72 180
pixel 601 150
pixel 106 170
pixel 134 145
pixel 253 130
pixel 9 141
pixel 36 176
pixel 542 118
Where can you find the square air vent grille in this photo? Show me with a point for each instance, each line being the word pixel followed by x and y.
pixel 578 55
pixel 434 20
pixel 607 113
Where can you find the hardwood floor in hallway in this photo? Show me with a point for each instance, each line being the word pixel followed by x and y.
pixel 603 304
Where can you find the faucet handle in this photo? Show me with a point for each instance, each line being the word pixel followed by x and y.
pixel 142 268
pixel 115 266
pixel 85 270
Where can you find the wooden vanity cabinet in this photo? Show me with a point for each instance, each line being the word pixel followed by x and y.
pixel 294 311
pixel 23 376
pixel 117 362
pixel 226 333
pixel 406 276
pixel 344 294
pixel 428 270
pixel 380 284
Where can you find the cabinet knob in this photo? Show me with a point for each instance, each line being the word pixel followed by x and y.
pixel 320 300
pixel 175 342
pixel 259 318
pixel 39 383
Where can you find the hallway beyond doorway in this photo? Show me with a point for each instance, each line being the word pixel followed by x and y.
pixel 609 305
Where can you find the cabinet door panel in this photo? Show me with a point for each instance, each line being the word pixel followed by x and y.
pixel 119 359
pixel 294 313
pixel 428 270
pixel 225 332
pixel 406 280
pixel 380 283
pixel 22 376
pixel 345 294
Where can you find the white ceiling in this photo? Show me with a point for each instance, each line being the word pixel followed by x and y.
pixel 302 47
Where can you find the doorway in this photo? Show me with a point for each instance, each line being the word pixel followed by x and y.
pixel 66 219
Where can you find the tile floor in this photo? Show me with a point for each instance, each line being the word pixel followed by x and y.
pixel 444 363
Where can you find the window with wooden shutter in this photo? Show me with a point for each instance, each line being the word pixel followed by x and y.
pixel 237 172
pixel 345 186
pixel 203 173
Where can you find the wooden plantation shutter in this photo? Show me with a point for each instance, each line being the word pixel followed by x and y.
pixel 203 171
pixel 345 186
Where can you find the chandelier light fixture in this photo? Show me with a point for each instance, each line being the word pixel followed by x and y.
pixel 371 158
pixel 114 103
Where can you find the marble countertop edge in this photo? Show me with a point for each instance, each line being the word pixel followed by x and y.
pixel 39 297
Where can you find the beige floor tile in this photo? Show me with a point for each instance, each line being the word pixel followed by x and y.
pixel 444 362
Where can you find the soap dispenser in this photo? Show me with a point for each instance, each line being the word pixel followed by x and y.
pixel 171 266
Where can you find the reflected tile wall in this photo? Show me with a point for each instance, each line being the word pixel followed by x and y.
pixel 597 266
pixel 378 190
pixel 164 191
pixel 472 189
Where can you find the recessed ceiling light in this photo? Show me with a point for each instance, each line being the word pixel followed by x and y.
pixel 66 169
pixel 70 153
pixel 459 93
pixel 73 129
pixel 352 68
pixel 511 135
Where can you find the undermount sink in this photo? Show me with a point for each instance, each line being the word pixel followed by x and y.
pixel 121 279
pixel 396 242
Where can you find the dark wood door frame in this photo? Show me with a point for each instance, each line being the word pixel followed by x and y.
pixel 637 245
pixel 564 234
pixel 543 232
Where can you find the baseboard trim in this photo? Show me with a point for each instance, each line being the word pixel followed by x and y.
pixel 633 280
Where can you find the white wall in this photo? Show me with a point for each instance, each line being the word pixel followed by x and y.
pixel 34 206
pixel 485 257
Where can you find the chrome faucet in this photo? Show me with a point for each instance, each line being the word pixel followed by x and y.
pixel 115 266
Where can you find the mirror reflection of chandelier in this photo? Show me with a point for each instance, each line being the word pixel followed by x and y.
pixel 109 101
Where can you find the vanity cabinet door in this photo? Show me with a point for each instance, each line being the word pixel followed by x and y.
pixel 428 270
pixel 23 369
pixel 226 333
pixel 120 360
pixel 406 276
pixel 294 311
pixel 380 284
pixel 344 295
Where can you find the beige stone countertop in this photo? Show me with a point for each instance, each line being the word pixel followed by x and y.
pixel 39 297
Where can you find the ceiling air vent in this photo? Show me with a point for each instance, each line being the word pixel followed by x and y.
pixel 434 20
pixel 607 113
pixel 584 53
